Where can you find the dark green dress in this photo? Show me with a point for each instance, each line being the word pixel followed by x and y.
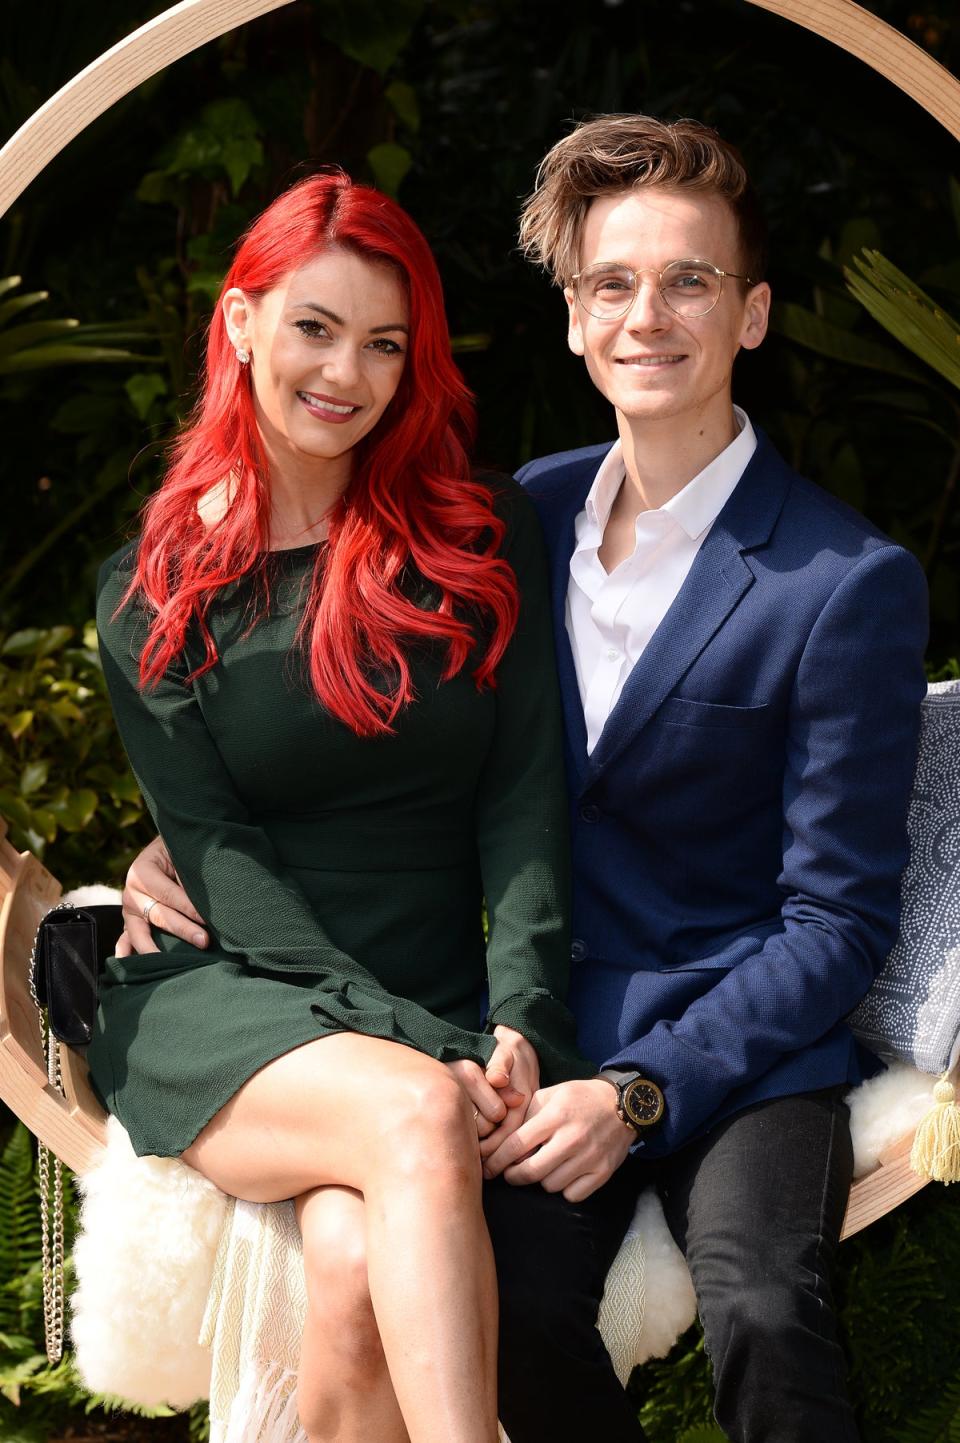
pixel 342 877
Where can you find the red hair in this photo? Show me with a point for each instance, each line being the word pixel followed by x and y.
pixel 410 498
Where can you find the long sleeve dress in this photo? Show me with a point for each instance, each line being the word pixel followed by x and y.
pixel 342 877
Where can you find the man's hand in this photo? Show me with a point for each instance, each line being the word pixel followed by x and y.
pixel 570 1141
pixel 153 878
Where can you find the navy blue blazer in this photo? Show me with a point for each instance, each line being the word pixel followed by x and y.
pixel 740 827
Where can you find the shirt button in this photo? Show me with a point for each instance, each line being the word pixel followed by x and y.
pixel 589 813
pixel 612 654
pixel 578 950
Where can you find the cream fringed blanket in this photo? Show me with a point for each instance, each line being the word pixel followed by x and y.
pixel 253 1325
pixel 164 1259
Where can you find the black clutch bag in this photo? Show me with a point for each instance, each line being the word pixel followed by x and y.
pixel 71 946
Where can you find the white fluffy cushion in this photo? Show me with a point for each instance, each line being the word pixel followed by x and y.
pixel 144 1259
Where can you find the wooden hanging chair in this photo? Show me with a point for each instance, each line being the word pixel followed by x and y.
pixel 73 1126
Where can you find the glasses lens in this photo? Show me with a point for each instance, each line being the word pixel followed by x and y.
pixel 690 288
pixel 607 290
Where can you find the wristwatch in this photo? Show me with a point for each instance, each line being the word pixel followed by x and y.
pixel 639 1101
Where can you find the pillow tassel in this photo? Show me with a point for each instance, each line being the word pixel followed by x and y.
pixel 936 1145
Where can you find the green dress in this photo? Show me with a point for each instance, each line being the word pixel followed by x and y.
pixel 342 877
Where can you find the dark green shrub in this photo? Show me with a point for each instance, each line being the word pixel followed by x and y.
pixel 65 787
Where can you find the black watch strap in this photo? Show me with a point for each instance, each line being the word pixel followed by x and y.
pixel 640 1102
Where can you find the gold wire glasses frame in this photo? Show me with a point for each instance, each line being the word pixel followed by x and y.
pixel 689 287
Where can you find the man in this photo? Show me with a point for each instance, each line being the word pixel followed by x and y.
pixel 741 664
pixel 740 658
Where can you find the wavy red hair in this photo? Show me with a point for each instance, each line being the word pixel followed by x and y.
pixel 410 497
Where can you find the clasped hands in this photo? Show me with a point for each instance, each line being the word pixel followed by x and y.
pixel 568 1138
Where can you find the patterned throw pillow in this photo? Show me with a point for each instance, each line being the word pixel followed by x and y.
pixel 912 1011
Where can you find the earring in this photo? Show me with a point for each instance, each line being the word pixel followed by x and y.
pixel 243 355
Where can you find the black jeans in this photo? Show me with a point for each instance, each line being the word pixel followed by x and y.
pixel 756 1206
pixel 556 1381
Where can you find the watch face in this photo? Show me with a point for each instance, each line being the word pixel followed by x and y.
pixel 643 1102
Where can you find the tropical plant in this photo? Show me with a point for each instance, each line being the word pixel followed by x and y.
pixel 907 312
pixel 932 334
pixel 38 345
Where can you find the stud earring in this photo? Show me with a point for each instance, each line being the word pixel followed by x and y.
pixel 243 355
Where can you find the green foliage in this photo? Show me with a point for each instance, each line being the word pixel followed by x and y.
pixel 368 30
pixel 39 345
pixel 907 312
pixel 65 786
pixel 940 1423
pixel 674 1395
pixel 20 1240
pixel 838 343
pixel 223 140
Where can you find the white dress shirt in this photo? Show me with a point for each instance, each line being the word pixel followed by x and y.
pixel 612 616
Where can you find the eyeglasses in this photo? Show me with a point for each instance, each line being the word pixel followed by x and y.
pixel 689 288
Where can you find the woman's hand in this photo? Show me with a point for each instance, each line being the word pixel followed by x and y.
pixel 503 1091
pixel 514 1070
pixel 489 1104
pixel 152 878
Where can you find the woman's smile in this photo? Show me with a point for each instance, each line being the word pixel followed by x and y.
pixel 327 408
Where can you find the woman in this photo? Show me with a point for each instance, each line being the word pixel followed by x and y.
pixel 330 660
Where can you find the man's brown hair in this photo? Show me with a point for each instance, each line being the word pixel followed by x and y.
pixel 612 153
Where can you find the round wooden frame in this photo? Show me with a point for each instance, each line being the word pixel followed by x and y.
pixel 192 23
pixel 73 1125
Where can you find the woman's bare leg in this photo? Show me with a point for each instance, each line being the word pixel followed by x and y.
pixel 344 1392
pixel 395 1126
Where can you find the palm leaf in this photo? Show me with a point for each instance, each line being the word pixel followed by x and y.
pixel 13 307
pixel 16 338
pixel 39 357
pixel 35 345
pixel 808 329
pixel 907 312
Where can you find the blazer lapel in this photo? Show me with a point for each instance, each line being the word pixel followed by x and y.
pixel 715 584
pixel 558 517
pixel 573 720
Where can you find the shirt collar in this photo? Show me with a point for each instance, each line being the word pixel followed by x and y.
pixel 698 505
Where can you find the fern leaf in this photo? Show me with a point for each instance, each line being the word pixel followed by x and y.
pixel 20 1228
pixel 939 1423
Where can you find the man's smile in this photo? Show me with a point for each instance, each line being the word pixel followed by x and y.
pixel 649 361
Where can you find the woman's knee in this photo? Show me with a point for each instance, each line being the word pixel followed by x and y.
pixel 428 1129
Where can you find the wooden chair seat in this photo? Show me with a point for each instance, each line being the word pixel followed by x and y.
pixel 74 1126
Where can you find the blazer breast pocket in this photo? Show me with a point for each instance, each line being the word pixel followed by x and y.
pixel 679 711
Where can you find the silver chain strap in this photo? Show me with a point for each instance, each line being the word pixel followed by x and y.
pixel 51 1199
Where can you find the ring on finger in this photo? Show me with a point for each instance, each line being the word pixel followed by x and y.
pixel 148 907
pixel 476 1113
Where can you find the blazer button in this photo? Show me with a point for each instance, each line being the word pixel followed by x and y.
pixel 589 813
pixel 578 950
